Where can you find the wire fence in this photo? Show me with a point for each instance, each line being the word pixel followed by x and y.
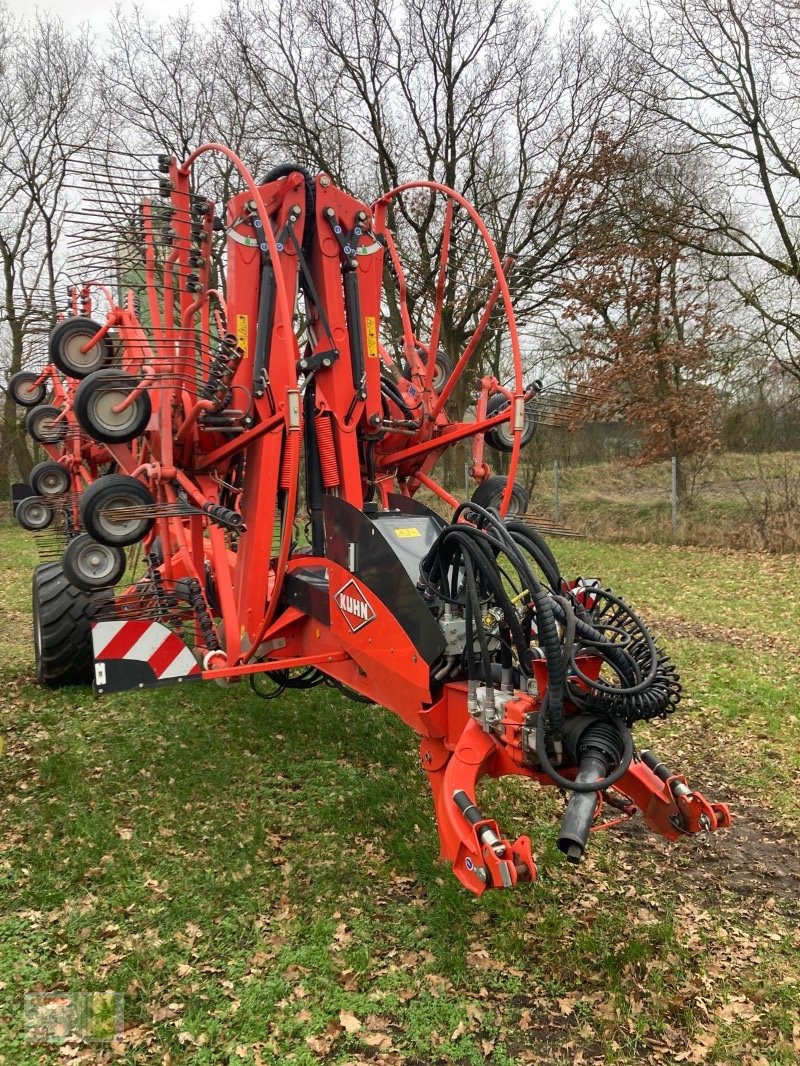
pixel 732 500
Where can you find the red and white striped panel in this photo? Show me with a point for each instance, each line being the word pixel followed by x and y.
pixel 135 654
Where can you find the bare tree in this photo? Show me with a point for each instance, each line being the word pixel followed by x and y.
pixel 722 77
pixel 43 120
pixel 489 99
pixel 639 310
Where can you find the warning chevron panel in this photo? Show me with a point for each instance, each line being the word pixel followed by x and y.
pixel 139 654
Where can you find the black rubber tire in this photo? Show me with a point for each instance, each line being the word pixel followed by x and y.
pixel 19 388
pixel 41 425
pixel 442 372
pixel 66 341
pixel 62 617
pixel 115 491
pixel 34 514
pixel 89 565
pixel 49 479
pixel 490 494
pixel 500 437
pixel 94 398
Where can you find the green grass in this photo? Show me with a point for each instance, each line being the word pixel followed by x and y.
pixel 258 879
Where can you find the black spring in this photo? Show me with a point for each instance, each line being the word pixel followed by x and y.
pixel 198 605
pixel 220 375
pixel 166 602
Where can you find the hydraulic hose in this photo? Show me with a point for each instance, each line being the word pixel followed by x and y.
pixel 283 170
pixel 539 550
pixel 565 782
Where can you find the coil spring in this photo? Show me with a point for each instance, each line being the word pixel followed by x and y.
pixel 198 605
pixel 220 374
pixel 327 450
pixel 630 653
pixel 285 479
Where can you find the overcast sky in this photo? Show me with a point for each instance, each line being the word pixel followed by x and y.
pixel 98 12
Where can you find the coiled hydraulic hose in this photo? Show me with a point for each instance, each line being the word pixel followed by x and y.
pixel 649 685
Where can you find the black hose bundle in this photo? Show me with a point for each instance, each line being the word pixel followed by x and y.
pixel 306 677
pixel 463 567
pixel 649 684
pixel 475 549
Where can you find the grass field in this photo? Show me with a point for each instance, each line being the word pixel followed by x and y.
pixel 259 880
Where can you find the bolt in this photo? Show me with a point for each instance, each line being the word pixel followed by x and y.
pixel 324 181
pixel 480 873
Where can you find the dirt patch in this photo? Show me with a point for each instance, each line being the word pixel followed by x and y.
pixel 755 858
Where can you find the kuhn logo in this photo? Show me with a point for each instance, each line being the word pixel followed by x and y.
pixel 354 606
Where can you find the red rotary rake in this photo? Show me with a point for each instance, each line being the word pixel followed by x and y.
pixel 74 459
pixel 320 386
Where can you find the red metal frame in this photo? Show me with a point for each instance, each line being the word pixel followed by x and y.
pixel 239 554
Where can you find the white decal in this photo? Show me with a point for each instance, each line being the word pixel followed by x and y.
pixel 355 607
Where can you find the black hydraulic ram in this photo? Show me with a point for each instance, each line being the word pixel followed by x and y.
pixel 266 316
pixel 352 305
pixel 473 815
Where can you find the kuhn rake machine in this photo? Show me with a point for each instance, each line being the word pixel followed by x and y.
pixel 319 388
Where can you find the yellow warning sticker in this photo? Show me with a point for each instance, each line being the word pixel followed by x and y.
pixel 372 337
pixel 242 332
pixel 408 531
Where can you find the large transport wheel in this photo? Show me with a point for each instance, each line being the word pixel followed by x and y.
pixel 66 342
pixel 490 494
pixel 62 617
pixel 95 400
pixel 49 479
pixel 111 510
pixel 442 370
pixel 89 565
pixel 23 389
pixel 41 423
